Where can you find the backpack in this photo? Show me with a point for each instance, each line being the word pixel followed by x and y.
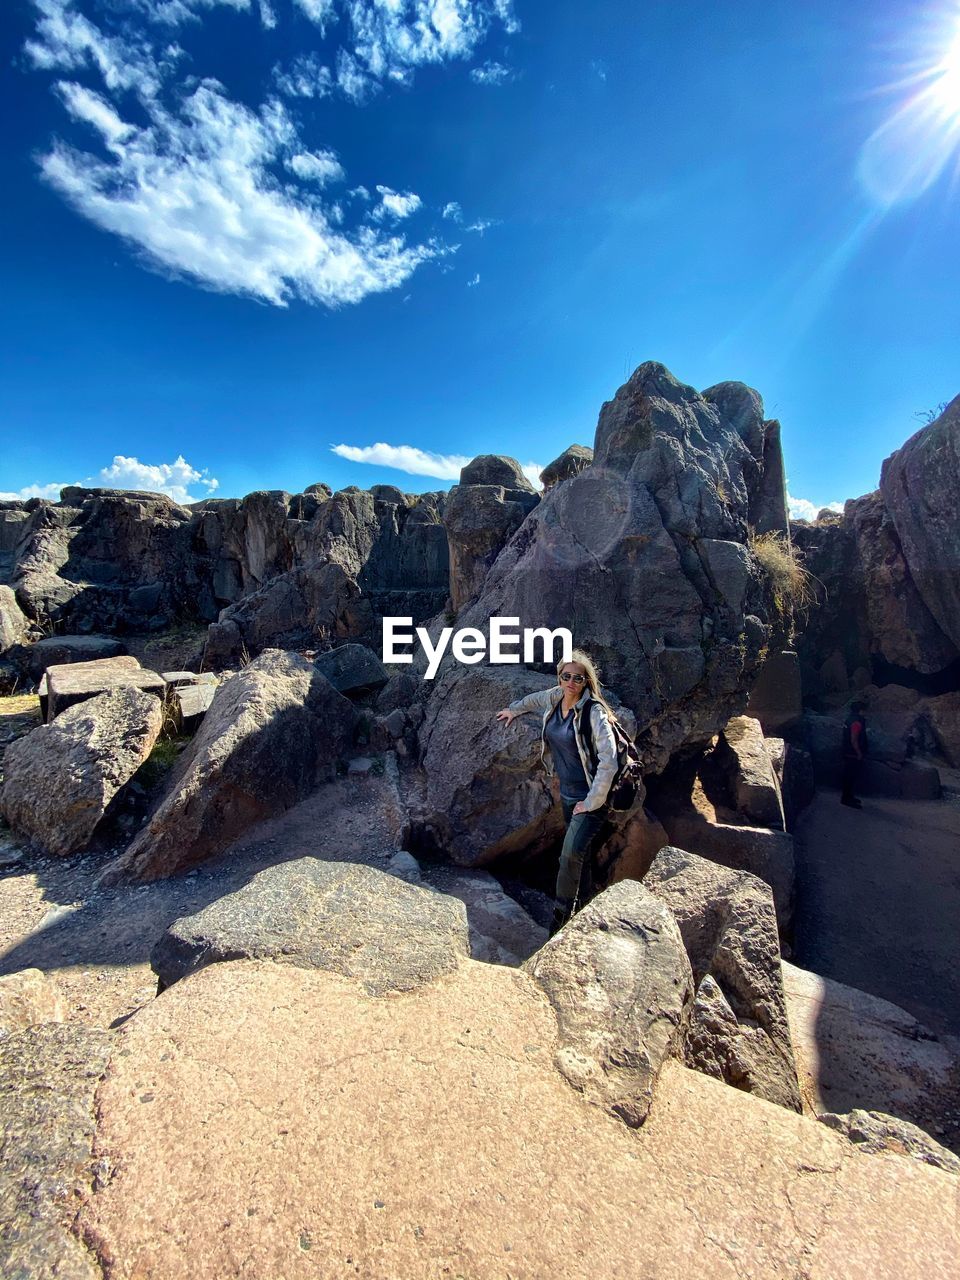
pixel 626 781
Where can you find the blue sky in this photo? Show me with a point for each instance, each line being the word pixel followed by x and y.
pixel 239 233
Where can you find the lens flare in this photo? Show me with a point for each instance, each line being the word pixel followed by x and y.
pixel 913 146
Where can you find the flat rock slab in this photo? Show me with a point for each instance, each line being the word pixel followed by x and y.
pixel 262 1121
pixel 59 779
pixel 68 685
pixel 344 917
pixel 122 662
pixel 54 650
pixel 48 1077
pixel 352 668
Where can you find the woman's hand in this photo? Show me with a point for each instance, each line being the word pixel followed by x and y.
pixel 580 807
pixel 507 716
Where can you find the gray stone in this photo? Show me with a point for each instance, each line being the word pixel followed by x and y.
pixel 570 463
pixel 60 650
pixel 753 782
pixel 59 779
pixel 191 702
pixel 776 698
pixel 48 1079
pixel 872 1132
pixel 728 564
pixel 352 668
pixel 122 662
pixel 344 917
pixel 274 730
pixel 495 469
pixel 729 929
pixel 479 519
pixel 619 981
pixel 14 626
pixel 501 931
pixel 80 681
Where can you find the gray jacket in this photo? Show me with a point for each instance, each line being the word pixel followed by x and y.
pixel 604 741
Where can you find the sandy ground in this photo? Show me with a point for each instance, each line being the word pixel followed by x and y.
pixel 878 900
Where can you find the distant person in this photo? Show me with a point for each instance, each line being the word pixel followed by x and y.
pixel 854 753
pixel 583 786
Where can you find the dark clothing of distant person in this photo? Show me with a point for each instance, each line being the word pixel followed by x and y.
pixel 854 754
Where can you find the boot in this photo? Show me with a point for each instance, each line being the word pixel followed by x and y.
pixel 561 914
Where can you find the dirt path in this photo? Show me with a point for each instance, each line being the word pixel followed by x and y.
pixel 878 900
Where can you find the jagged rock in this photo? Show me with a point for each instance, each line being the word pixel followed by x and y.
pixel 352 668
pixel 873 1132
pixel 486 1141
pixel 349 919
pixel 620 984
pixel 27 997
pixel 634 840
pixel 122 662
pixel 943 715
pixel 770 506
pixel 920 487
pixel 855 1050
pixel 569 464
pixel 388 493
pixel 495 469
pixel 59 779
pixel 274 731
pixel 776 698
pixel 753 783
pixel 479 520
pixel 321 489
pixel 729 929
pixel 768 855
pixel 14 627
pixel 190 703
pixel 48 1078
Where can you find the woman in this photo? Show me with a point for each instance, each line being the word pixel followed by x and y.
pixel 583 783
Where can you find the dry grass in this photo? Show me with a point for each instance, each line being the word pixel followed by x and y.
pixel 794 587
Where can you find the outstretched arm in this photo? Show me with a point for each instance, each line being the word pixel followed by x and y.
pixel 538 701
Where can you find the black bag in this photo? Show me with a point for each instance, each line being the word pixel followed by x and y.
pixel 626 781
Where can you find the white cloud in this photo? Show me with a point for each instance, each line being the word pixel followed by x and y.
pixel 69 41
pixel 453 211
pixel 419 462
pixel 174 12
pixel 306 77
pixel 474 281
pixel 599 68
pixel 482 224
pixel 49 491
pixel 195 194
pixel 491 73
pixel 316 166
pixel 319 11
pixel 393 204
pixel 351 79
pixel 268 15
pixel 172 478
pixel 394 35
pixel 405 457
pixel 804 509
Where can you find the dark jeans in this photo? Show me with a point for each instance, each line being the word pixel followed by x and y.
pixel 852 769
pixel 574 877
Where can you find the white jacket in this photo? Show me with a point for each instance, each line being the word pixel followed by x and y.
pixel 604 741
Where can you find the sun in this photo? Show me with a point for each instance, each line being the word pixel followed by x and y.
pixel 947 82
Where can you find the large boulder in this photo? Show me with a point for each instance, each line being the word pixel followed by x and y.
pixel 493 1165
pixel 14 626
pixel 754 786
pixel 48 1080
pixel 59 779
pixel 273 732
pixel 492 468
pixel 479 520
pixel 570 463
pixel 920 487
pixel 344 917
pixel 353 668
pixel 739 1031
pixel 59 650
pixel 620 984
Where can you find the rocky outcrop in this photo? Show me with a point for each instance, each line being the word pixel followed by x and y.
pixel 742 754
pixel 273 732
pixel 14 627
pixel 353 668
pixel 480 519
pixel 495 469
pixel 739 1030
pixel 495 1165
pixel 569 464
pixel 59 779
pixel 347 918
pixel 872 1132
pixel 620 984
pixel 48 1078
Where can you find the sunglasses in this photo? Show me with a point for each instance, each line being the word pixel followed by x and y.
pixel 566 675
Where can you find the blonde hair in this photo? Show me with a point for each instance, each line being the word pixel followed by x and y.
pixel 593 677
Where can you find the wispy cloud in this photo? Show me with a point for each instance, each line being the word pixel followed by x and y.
pixel 453 212
pixel 599 68
pixel 306 77
pixel 390 37
pixel 175 479
pixel 474 281
pixel 804 509
pixel 419 462
pixel 322 12
pixel 492 73
pixel 405 457
pixel 316 166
